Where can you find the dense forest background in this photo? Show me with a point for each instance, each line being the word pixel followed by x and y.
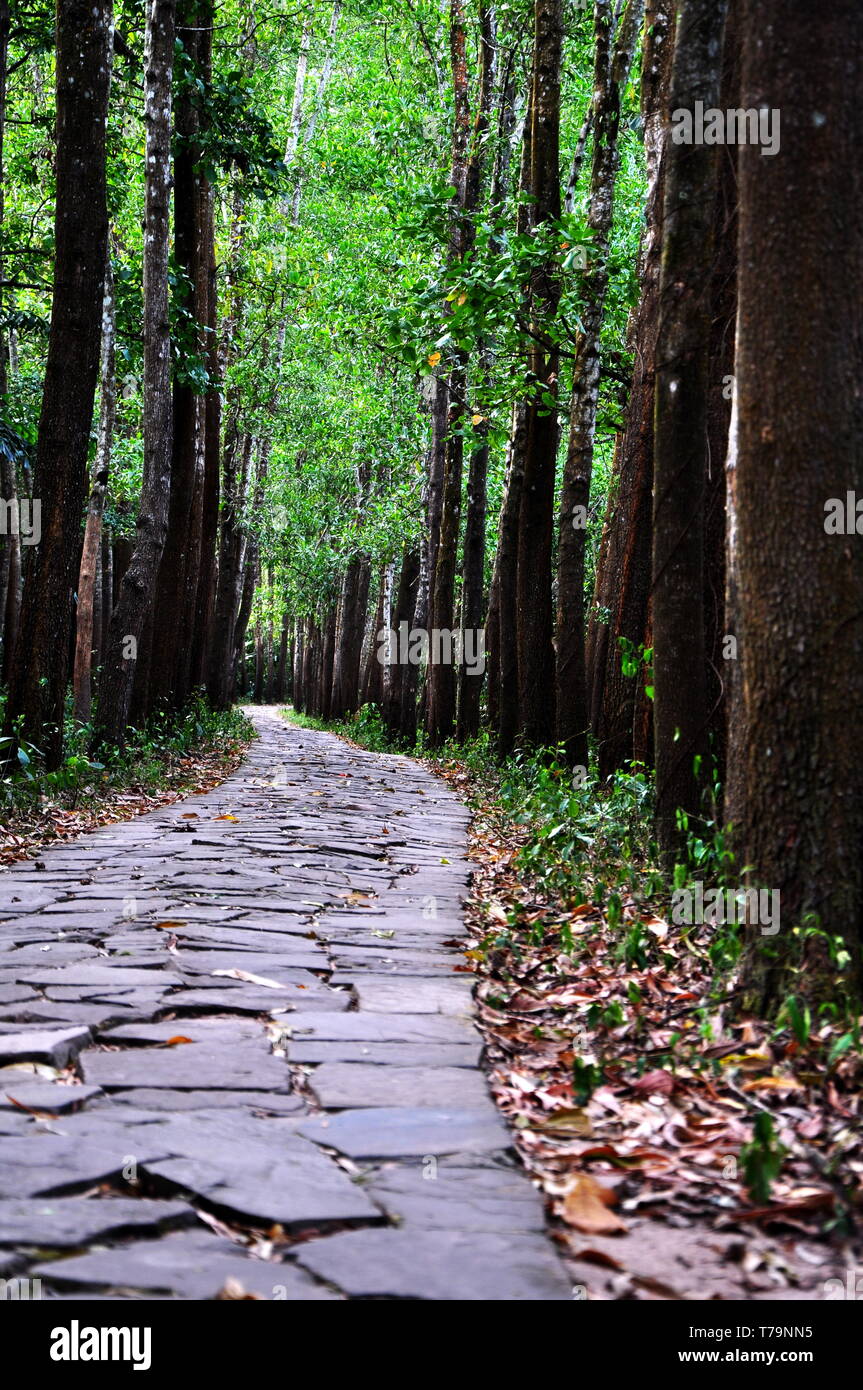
pixel 322 321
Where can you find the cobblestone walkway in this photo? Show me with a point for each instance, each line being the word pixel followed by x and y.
pixel 324 1130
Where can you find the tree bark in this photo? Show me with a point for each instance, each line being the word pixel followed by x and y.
pixel 681 433
pixel 346 669
pixel 88 595
pixel 624 574
pixel 177 583
pixel 40 666
pixel 535 623
pixel 796 777
pixel 507 548
pixel 205 604
pixel 614 53
pixel 403 612
pixel 309 133
pixel 441 675
pixel 135 597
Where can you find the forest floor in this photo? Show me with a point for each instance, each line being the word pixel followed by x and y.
pixel 635 1094
pixel 50 816
pixel 239 1054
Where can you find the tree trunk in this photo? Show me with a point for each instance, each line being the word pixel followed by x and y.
pixel 507 550
pixel 346 666
pixel 403 613
pixel 135 599
pixel 177 582
pixel 614 53
pixel 309 134
pixel 441 675
pixel 7 467
pixel 237 460
pixel 680 463
pixel 40 666
pixel 796 776
pixel 535 527
pixel 244 612
pixel 282 663
pixel 624 573
pixel 87 578
pixel 205 603
pixel 373 676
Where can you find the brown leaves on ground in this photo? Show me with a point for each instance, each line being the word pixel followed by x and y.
pixel 585 1205
pixel 628 1087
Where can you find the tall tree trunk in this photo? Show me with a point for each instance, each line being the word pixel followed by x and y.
pixel 237 455
pixel 535 623
pixel 107 571
pixel 507 549
pixel 346 667
pixel 373 675
pixel 282 663
pixel 296 122
pixel 135 598
pixel 297 699
pixel 403 612
pixel 171 667
pixel 492 642
pixel 796 776
pixel 244 612
pixel 614 53
pixel 441 675
pixel 473 583
pixel 40 666
pixel 681 432
pixel 624 574
pixel 205 600
pixel 433 502
pixel 329 652
pixel 259 665
pixel 88 595
pixel 473 565
pixel 721 671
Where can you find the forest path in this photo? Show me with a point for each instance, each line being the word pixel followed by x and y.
pixel 325 1130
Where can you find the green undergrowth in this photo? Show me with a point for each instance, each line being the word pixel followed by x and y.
pixel 148 762
pixel 582 840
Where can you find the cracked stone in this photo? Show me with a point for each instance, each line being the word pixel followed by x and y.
pixel 185 1265
pixel 73 1221
pixel 55 1048
pixel 340 1085
pixel 465 1199
pixel 238 1066
pixel 400 1132
pixel 439 1265
pixel 45 1095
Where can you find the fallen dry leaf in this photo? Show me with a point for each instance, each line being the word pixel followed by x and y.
pixel 585 1206
pixel 250 979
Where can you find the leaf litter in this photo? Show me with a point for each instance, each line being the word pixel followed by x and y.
pixel 634 1096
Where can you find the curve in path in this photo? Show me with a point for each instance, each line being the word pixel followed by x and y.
pixel 325 1130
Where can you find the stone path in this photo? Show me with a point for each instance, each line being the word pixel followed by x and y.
pixel 327 1132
